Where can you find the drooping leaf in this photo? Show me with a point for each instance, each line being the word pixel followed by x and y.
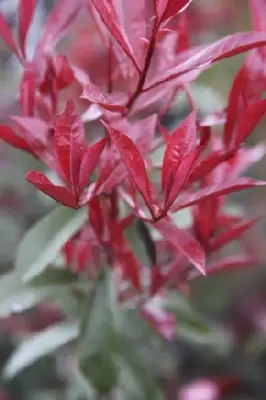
pixel 40 345
pixel 26 12
pixel 42 243
pixel 183 242
pixel 133 161
pixel 59 193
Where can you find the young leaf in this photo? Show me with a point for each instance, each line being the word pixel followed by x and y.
pixel 70 143
pixel 57 23
pixel 166 9
pixel 216 190
pixel 26 11
pixel 89 162
pixel 28 89
pixel 183 242
pixel 107 13
pixel 232 234
pixel 9 136
pixel 93 93
pixel 204 58
pixel 58 193
pixel 42 243
pixel 133 161
pixel 40 345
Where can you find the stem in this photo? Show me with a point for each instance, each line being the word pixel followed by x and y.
pixel 147 64
pixel 110 67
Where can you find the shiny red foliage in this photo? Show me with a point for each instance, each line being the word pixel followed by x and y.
pixel 146 60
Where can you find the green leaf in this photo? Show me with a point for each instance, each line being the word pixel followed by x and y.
pixel 136 380
pixel 100 315
pixel 187 319
pixel 40 345
pixel 43 241
pixel 17 297
pixel 101 371
pixel 55 276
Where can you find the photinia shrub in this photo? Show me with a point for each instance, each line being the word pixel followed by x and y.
pixel 115 248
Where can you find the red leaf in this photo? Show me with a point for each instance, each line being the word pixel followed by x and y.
pixel 9 136
pixel 180 144
pixel 180 178
pixel 226 264
pixel 169 8
pixel 96 217
pixel 57 23
pixel 133 161
pixel 70 143
pixel 92 93
pixel 235 101
pixel 203 59
pixel 89 162
pixel 258 12
pixel 216 190
pixel 232 234
pixel 107 13
pixel 7 36
pixel 28 90
pixel 35 129
pixel 183 242
pixel 64 74
pixel 26 11
pixel 248 120
pixel 58 193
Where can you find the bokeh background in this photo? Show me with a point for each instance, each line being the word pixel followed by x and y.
pixel 235 302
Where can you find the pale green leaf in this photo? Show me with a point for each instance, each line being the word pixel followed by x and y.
pixel 42 243
pixel 40 345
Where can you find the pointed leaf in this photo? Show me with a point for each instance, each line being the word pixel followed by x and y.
pixel 216 190
pixel 58 21
pixel 59 193
pixel 9 136
pixel 93 93
pixel 133 161
pixel 203 59
pixel 107 13
pixel 43 242
pixel 169 8
pixel 70 143
pixel 28 90
pixel 99 316
pixel 26 11
pixel 232 234
pixel 183 242
pixel 90 161
pixel 248 120
pixel 40 345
